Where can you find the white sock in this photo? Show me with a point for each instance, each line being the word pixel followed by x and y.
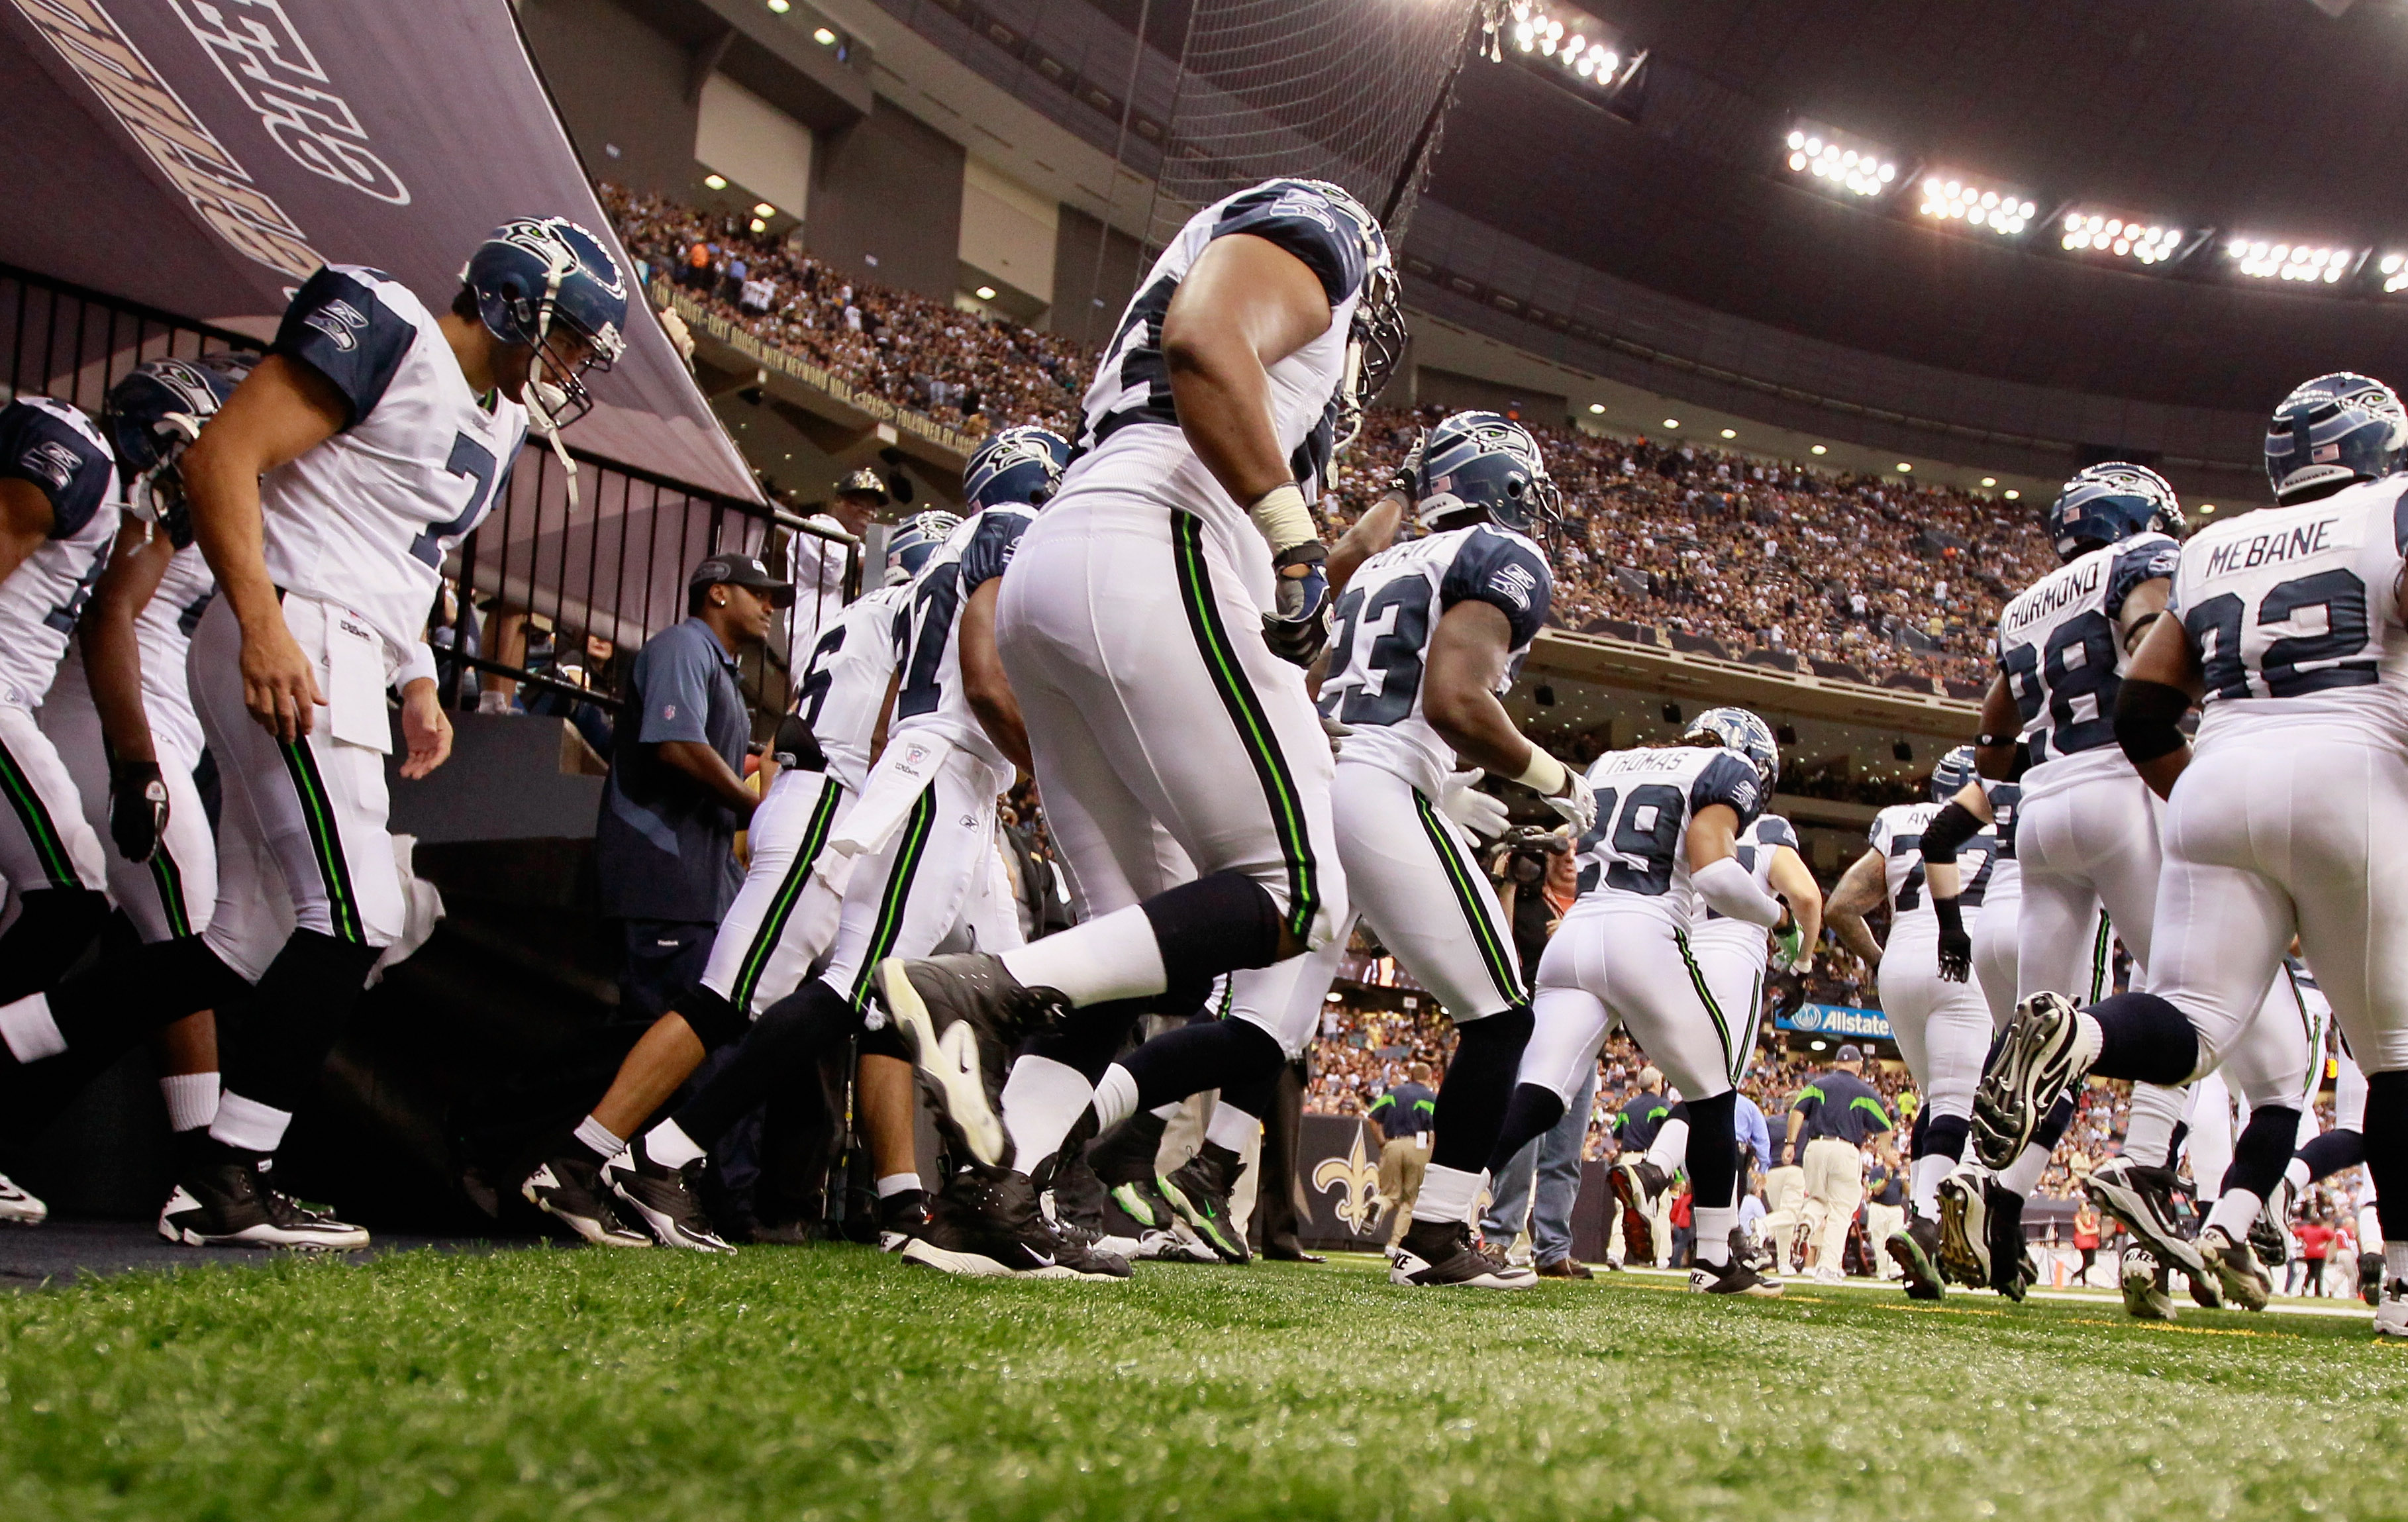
pixel 2022 1174
pixel 2295 1175
pixel 2149 1135
pixel 898 1184
pixel 599 1138
pixel 1923 1178
pixel 1447 1194
pixel 1114 956
pixel 2370 1228
pixel 1231 1127
pixel 1115 1098
pixel 1669 1151
pixel 668 1145
pixel 2235 1210
pixel 28 1031
pixel 248 1124
pixel 1043 1099
pixel 2395 1259
pixel 192 1101
pixel 1715 1223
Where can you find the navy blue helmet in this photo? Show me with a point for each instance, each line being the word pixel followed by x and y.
pixel 1950 774
pixel 914 540
pixel 1737 729
pixel 1015 465
pixel 1483 463
pixel 1375 339
pixel 2336 429
pixel 151 415
pixel 2108 504
pixel 541 281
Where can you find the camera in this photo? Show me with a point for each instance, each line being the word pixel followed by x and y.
pixel 1525 851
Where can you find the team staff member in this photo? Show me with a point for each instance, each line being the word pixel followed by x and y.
pixel 665 846
pixel 1836 1114
pixel 1884 1213
pixel 1404 1114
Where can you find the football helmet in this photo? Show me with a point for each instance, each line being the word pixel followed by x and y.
pixel 2108 504
pixel 2335 429
pixel 1375 341
pixel 149 417
pixel 1951 772
pixel 914 540
pixel 1477 462
pixel 543 280
pixel 1015 465
pixel 1737 729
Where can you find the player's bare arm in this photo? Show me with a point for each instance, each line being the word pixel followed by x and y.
pixel 25 521
pixel 2142 608
pixel 1994 749
pixel 1858 890
pixel 425 729
pixel 983 683
pixel 1370 534
pixel 280 412
pixel 1467 652
pixel 2162 684
pixel 1793 881
pixel 1245 305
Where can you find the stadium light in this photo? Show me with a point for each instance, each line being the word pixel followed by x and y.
pixel 715 182
pixel 1819 449
pixel 1671 422
pixel 779 7
pixel 763 209
pixel 1573 41
pixel 825 38
pixel 1841 162
pixel 1905 467
pixel 2311 263
pixel 986 292
pixel 2394 269
pixel 2149 240
pixel 2013 496
pixel 1597 407
pixel 758 225
pixel 1730 433
pixel 1992 206
pixel 1990 481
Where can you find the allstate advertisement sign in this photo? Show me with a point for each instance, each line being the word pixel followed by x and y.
pixel 1840 1020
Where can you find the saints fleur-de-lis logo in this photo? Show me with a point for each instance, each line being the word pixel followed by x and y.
pixel 1356 1176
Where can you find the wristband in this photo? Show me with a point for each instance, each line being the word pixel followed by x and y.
pixel 1950 914
pixel 1544 775
pixel 1282 517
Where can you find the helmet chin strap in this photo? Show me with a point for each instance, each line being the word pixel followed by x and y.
pixel 545 400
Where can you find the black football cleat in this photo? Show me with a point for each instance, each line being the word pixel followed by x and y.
pixel 1733 1278
pixel 1915 1247
pixel 227 1203
pixel 1198 1191
pixel 901 1217
pixel 569 1187
pixel 2237 1271
pixel 1965 1226
pixel 663 1198
pixel 2147 1286
pixel 2142 1198
pixel 1442 1255
pixel 985 1224
pixel 962 1017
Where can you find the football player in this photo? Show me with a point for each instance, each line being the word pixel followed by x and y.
pixel 58 512
pixel 2287 628
pixel 325 496
pixel 784 916
pixel 1666 839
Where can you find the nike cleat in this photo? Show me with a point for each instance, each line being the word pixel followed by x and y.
pixel 2237 1271
pixel 2145 1283
pixel 569 1189
pixel 2046 1050
pixel 1915 1247
pixel 1198 1191
pixel 1733 1278
pixel 1635 1184
pixel 986 1224
pixel 1441 1254
pixel 663 1198
pixel 2142 1198
pixel 1965 1227
pixel 2391 1310
pixel 901 1217
pixel 962 1017
pixel 227 1204
pixel 2269 1234
pixel 1089 1253
pixel 19 1207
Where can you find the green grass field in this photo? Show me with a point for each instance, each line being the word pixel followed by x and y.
pixel 835 1383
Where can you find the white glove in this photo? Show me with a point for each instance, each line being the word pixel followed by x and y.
pixel 1482 814
pixel 680 337
pixel 1576 803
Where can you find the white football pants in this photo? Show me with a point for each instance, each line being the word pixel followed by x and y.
pixel 172 894
pixel 45 841
pixel 1620 959
pixel 784 917
pixel 1943 1027
pixel 939 884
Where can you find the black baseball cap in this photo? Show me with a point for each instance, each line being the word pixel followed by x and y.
pixel 744 571
pixel 863 482
pixel 1847 1054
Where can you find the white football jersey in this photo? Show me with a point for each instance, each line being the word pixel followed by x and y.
pixel 1645 799
pixel 818 565
pixel 1128 436
pixel 163 635
pixel 2292 615
pixel 2062 656
pixel 56 448
pixel 1383 626
pixel 1898 835
pixel 366 519
pixel 843 683
pixel 1757 844
pixel 926 652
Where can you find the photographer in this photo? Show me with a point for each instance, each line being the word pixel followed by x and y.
pixel 1535 883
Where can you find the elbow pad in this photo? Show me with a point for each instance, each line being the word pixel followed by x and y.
pixel 2147 715
pixel 1727 888
pixel 1949 828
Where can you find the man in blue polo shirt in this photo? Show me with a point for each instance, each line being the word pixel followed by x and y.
pixel 1836 1114
pixel 665 846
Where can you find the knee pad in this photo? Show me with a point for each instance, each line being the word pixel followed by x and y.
pixel 713 1019
pixel 1218 921
pixel 2263 1150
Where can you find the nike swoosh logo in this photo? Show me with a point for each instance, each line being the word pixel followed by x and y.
pixel 1045 1262
pixel 959 1045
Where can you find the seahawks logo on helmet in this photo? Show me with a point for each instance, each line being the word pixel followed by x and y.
pixel 153 414
pixel 539 279
pixel 1737 729
pixel 1016 465
pixel 914 540
pixel 2335 429
pixel 1483 463
pixel 1951 772
pixel 2108 504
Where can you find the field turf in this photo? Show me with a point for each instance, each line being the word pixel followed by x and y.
pixel 835 1383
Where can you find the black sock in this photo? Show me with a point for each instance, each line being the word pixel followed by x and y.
pixel 1193 1058
pixel 54 926
pixel 2144 1038
pixel 1919 1140
pixel 1127 1153
pixel 1217 923
pixel 2053 1126
pixel 1714 1151
pixel 1478 1089
pixel 1532 1112
pixel 777 1052
pixel 2174 1141
pixel 2387 1150
pixel 2263 1150
pixel 273 1043
pixel 1945 1136
pixel 2332 1152
pixel 103 1012
pixel 1092 1035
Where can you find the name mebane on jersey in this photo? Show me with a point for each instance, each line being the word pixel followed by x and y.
pixel 2293 543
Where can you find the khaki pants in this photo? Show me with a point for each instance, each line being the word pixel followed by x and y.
pixel 1785 1205
pixel 1835 1187
pixel 1879 1221
pixel 1401 1164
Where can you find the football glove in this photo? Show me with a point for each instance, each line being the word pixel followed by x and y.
pixel 1956 946
pixel 1577 802
pixel 1789 946
pixel 1482 814
pixel 137 809
pixel 1406 482
pixel 1300 626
